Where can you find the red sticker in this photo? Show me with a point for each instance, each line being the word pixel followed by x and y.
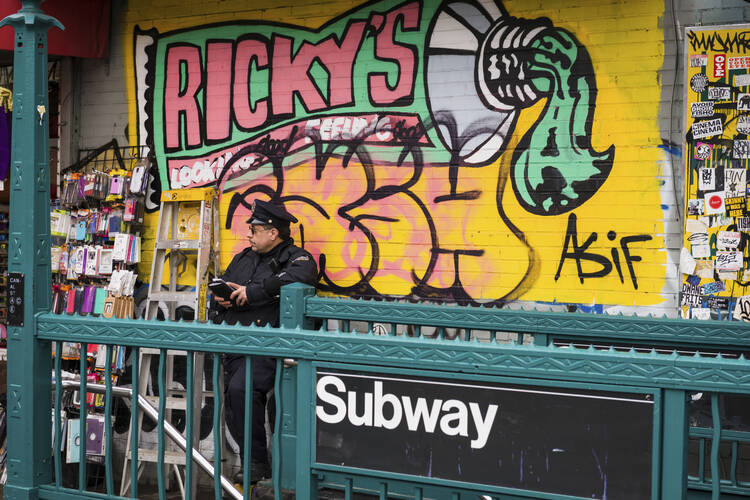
pixel 714 202
pixel 720 61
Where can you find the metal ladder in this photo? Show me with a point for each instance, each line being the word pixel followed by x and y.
pixel 188 225
pixel 187 230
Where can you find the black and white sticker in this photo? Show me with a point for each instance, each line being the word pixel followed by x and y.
pixel 703 109
pixel 735 178
pixel 703 151
pixel 699 82
pixel 698 60
pixel 742 80
pixel 718 302
pixel 743 124
pixel 719 93
pixel 691 295
pixel 707 179
pixel 740 149
pixel 707 128
pixel 696 206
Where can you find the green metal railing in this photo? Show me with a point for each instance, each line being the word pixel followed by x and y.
pixel 683 340
pixel 735 441
pixel 674 377
pixel 165 429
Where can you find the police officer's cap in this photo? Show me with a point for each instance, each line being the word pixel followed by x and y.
pixel 271 214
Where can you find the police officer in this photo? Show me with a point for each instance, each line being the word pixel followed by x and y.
pixel 257 274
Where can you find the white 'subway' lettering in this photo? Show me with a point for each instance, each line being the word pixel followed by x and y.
pixel 451 416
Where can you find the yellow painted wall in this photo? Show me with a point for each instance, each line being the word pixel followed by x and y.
pixel 512 253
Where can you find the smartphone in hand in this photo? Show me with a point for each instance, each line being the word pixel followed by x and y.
pixel 220 288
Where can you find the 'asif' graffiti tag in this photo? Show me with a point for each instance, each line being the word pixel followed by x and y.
pixel 580 254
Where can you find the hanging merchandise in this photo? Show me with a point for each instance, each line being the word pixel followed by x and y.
pixel 96 230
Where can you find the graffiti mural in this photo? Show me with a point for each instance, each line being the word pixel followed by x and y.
pixel 450 151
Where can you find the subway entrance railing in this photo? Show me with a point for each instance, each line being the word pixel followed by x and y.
pixel 560 405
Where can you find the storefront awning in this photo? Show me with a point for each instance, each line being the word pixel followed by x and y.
pixel 86 27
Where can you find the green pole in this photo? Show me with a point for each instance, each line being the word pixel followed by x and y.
pixel 674 445
pixel 292 315
pixel 29 364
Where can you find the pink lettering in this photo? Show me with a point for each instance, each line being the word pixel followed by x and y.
pixel 290 76
pixel 218 82
pixel 339 61
pixel 179 102
pixel 404 55
pixel 247 52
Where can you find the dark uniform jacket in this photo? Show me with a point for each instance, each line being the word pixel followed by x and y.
pixel 263 275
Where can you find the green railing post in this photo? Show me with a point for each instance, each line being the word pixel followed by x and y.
pixel 292 314
pixel 674 448
pixel 29 364
pixel 541 339
pixel 305 484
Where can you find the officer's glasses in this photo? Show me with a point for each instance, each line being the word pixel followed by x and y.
pixel 258 228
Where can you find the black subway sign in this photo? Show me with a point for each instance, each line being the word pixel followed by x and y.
pixel 587 443
pixel 15 299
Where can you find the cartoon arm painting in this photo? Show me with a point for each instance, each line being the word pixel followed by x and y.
pixel 517 63
pixel 555 168
pixel 520 66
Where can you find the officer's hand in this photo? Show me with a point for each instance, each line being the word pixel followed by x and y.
pixel 239 295
pixel 226 304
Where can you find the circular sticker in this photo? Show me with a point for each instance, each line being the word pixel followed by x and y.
pixel 743 125
pixel 702 151
pixel 714 201
pixel 699 82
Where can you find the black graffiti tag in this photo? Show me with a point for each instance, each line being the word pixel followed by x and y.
pixel 580 253
pixel 714 42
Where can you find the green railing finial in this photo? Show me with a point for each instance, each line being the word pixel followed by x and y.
pixel 31 13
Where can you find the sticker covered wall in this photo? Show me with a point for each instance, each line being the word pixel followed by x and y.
pixel 473 151
pixel 714 263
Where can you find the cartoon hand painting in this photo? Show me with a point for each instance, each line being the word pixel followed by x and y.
pixel 521 67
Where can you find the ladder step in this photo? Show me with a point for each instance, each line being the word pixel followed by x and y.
pixel 196 194
pixel 170 352
pixel 180 245
pixel 171 403
pixel 174 403
pixel 187 296
pixel 151 455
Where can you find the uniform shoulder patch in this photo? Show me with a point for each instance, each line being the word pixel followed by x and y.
pixel 301 258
